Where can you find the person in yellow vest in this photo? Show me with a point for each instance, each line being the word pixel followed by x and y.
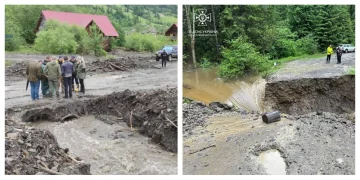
pixel 329 52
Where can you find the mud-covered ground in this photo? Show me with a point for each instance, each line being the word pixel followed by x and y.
pixel 123 61
pixel 314 68
pixel 30 151
pixel 316 133
pixel 148 110
pixel 229 142
pixel 152 77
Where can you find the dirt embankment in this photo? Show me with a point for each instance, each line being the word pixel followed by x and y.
pixel 30 151
pixel 302 96
pixel 153 112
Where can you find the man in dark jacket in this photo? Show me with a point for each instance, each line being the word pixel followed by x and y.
pixel 33 76
pixel 73 60
pixel 67 69
pixel 339 54
pixel 164 57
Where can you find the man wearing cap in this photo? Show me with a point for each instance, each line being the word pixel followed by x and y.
pixel 73 60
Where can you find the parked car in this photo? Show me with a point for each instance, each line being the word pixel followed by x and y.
pixel 170 50
pixel 347 48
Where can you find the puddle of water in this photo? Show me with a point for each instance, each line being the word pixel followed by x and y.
pixel 273 162
pixel 94 142
pixel 205 86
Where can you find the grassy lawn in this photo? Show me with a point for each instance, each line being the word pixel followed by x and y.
pixel 8 63
pixel 351 71
pixel 303 57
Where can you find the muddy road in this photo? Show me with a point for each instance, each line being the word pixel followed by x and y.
pixel 102 84
pixel 314 68
pixel 316 133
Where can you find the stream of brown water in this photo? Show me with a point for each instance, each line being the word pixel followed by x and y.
pixel 204 85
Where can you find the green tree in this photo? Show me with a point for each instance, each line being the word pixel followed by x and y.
pixel 95 41
pixel 58 40
pixel 241 57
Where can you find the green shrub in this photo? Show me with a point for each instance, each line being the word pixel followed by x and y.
pixel 13 39
pixel 240 57
pixel 146 42
pixel 56 41
pixel 351 71
pixel 205 63
pixel 283 48
pixel 306 45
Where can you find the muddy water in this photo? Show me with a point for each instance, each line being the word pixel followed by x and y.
pixel 111 149
pixel 204 85
pixel 273 162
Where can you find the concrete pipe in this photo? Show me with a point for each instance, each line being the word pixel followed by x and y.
pixel 271 117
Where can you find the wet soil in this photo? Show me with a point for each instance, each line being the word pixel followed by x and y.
pixel 101 119
pixel 231 142
pixel 100 84
pixel 301 96
pixel 111 149
pixel 154 112
pixel 143 123
pixel 28 151
pixel 316 133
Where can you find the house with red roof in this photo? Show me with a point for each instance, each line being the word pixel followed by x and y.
pixel 82 20
pixel 172 31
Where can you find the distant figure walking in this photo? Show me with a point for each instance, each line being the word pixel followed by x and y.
pixel 164 57
pixel 339 54
pixel 33 76
pixel 67 69
pixel 329 52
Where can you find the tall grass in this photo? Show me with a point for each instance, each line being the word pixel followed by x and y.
pixel 147 42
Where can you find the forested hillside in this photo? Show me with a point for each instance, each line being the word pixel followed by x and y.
pixel 251 35
pixel 20 20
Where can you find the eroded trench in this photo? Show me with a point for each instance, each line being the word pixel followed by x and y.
pixel 121 133
pixel 308 99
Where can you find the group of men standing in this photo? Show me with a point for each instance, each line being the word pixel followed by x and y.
pixel 54 73
pixel 329 51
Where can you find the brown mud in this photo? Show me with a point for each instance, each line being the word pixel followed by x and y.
pixel 302 96
pixel 30 151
